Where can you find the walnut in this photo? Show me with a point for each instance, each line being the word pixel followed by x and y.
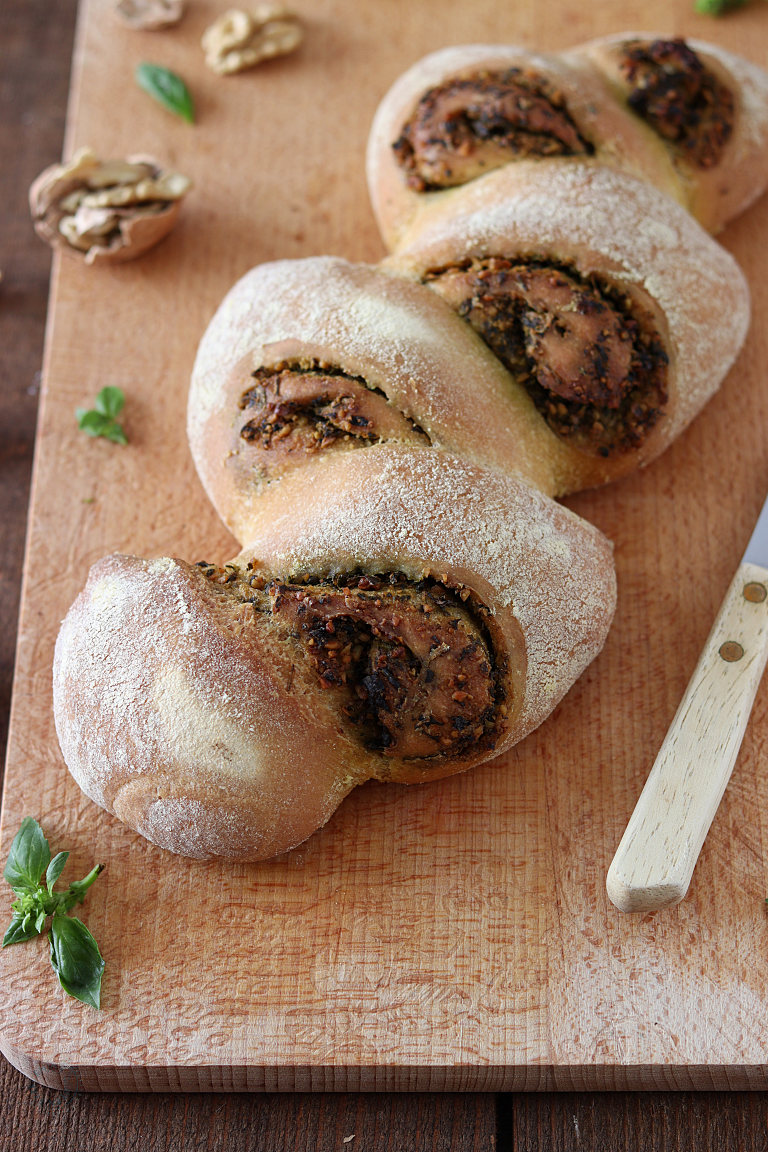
pixel 149 14
pixel 238 40
pixel 110 210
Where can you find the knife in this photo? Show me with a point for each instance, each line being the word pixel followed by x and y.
pixel 654 862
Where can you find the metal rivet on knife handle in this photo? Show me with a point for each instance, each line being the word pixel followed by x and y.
pixel 755 593
pixel 731 651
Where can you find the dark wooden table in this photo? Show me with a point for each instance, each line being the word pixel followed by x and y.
pixel 35 52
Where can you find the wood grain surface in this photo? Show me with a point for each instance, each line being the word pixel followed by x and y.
pixel 459 935
pixel 36 1119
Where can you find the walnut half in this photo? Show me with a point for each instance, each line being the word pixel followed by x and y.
pixel 239 40
pixel 149 15
pixel 106 210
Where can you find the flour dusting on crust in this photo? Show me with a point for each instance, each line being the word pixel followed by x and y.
pixel 753 89
pixel 164 704
pixel 531 560
pixel 181 712
pixel 607 220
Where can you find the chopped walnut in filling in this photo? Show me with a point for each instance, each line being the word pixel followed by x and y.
pixel 411 664
pixel 680 98
pixel 589 357
pixel 465 127
pixel 294 410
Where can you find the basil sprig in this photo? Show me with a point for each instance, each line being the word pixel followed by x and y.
pixel 75 954
pixel 167 88
pixel 101 420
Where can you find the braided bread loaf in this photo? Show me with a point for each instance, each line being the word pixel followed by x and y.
pixel 409 601
pixel 690 118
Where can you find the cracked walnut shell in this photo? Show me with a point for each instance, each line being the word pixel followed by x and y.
pixel 108 211
pixel 240 40
pixel 149 15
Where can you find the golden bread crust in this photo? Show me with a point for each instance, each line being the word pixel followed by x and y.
pixel 595 93
pixel 179 711
pixel 718 194
pixel 397 336
pixel 409 601
pixel 634 238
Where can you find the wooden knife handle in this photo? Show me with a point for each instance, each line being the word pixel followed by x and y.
pixel 654 862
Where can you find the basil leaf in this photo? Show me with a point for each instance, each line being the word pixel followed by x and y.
pixel 95 423
pixel 76 959
pixel 92 422
pixel 29 857
pixel 20 928
pixel 115 433
pixel 110 401
pixel 27 894
pixel 55 869
pixel 167 88
pixel 33 901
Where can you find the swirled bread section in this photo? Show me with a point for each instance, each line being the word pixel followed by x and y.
pixel 367 633
pixel 689 118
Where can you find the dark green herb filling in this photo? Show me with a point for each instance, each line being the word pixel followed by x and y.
pixel 588 355
pixel 679 97
pixel 465 127
pixel 312 407
pixel 412 664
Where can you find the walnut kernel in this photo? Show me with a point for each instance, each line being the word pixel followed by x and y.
pixel 109 210
pixel 239 40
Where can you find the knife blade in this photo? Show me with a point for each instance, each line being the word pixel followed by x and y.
pixel 655 860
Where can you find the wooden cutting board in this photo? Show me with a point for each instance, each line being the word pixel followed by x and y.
pixel 450 936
